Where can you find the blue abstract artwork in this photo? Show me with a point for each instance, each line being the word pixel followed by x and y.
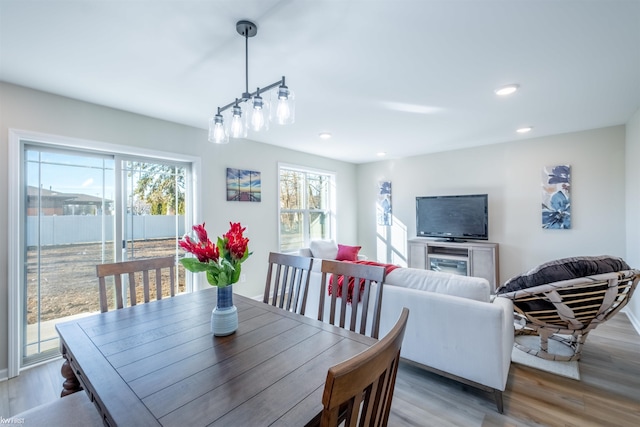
pixel 384 203
pixel 556 197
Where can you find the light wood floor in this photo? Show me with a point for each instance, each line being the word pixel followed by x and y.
pixel 608 393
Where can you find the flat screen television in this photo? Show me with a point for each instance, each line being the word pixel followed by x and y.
pixel 453 217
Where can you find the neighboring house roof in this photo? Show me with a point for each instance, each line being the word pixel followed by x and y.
pixel 66 198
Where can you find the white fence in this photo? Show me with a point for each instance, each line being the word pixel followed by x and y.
pixel 67 229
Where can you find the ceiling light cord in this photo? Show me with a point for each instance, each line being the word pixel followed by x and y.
pixel 261 113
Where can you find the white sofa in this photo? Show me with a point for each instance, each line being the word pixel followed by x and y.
pixel 454 329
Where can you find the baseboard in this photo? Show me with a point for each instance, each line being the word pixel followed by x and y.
pixel 635 322
pixel 4 374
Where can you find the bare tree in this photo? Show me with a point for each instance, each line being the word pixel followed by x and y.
pixel 161 187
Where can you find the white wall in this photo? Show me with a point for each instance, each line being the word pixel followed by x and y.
pixel 27 109
pixel 511 174
pixel 633 208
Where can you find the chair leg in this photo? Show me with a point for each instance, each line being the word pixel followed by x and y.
pixel 579 342
pixel 498 396
pixel 544 341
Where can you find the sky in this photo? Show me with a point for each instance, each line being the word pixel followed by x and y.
pixel 70 173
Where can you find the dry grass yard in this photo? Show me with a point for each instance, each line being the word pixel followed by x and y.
pixel 68 283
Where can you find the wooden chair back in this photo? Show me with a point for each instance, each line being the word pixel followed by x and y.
pixel 130 268
pixel 359 390
pixel 287 283
pixel 334 272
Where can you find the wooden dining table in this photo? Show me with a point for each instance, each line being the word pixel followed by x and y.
pixel 158 363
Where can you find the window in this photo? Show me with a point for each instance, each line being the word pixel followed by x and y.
pixel 307 207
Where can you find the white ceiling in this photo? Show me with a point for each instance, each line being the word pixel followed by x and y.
pixel 399 76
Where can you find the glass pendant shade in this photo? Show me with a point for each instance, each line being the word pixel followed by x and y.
pixel 259 111
pixel 283 111
pixel 217 133
pixel 237 127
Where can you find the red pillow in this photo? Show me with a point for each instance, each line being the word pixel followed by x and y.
pixel 347 253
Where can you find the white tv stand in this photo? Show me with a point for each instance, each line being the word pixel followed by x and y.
pixel 471 258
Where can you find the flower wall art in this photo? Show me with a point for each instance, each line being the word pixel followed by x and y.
pixel 384 203
pixel 556 197
pixel 243 185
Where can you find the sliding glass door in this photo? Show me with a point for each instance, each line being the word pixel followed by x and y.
pixel 81 209
pixel 68 217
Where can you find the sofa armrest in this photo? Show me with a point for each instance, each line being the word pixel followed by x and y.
pixel 507 329
pixel 463 337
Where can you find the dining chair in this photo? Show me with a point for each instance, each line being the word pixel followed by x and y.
pixel 337 273
pixel 288 282
pixel 130 268
pixel 359 390
pixel 74 410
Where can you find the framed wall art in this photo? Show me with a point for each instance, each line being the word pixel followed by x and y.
pixel 556 197
pixel 243 185
pixel 384 203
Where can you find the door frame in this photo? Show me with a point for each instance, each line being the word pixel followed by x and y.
pixel 15 232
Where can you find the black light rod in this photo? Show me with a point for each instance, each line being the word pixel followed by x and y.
pixel 252 94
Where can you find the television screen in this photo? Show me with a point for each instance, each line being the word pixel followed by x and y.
pixel 453 217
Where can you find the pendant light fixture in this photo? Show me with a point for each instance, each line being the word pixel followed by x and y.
pixel 258 113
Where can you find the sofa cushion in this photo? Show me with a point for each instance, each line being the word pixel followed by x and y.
pixel 306 252
pixel 564 269
pixel 347 253
pixel 325 249
pixel 443 283
pixel 387 267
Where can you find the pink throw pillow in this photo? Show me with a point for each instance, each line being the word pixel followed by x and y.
pixel 347 253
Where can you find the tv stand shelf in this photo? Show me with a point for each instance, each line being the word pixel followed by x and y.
pixel 479 259
pixel 437 249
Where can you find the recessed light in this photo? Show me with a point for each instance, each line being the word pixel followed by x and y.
pixel 381 154
pixel 507 90
pixel 524 129
pixel 324 135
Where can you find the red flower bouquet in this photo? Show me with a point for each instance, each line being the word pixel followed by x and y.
pixel 222 261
